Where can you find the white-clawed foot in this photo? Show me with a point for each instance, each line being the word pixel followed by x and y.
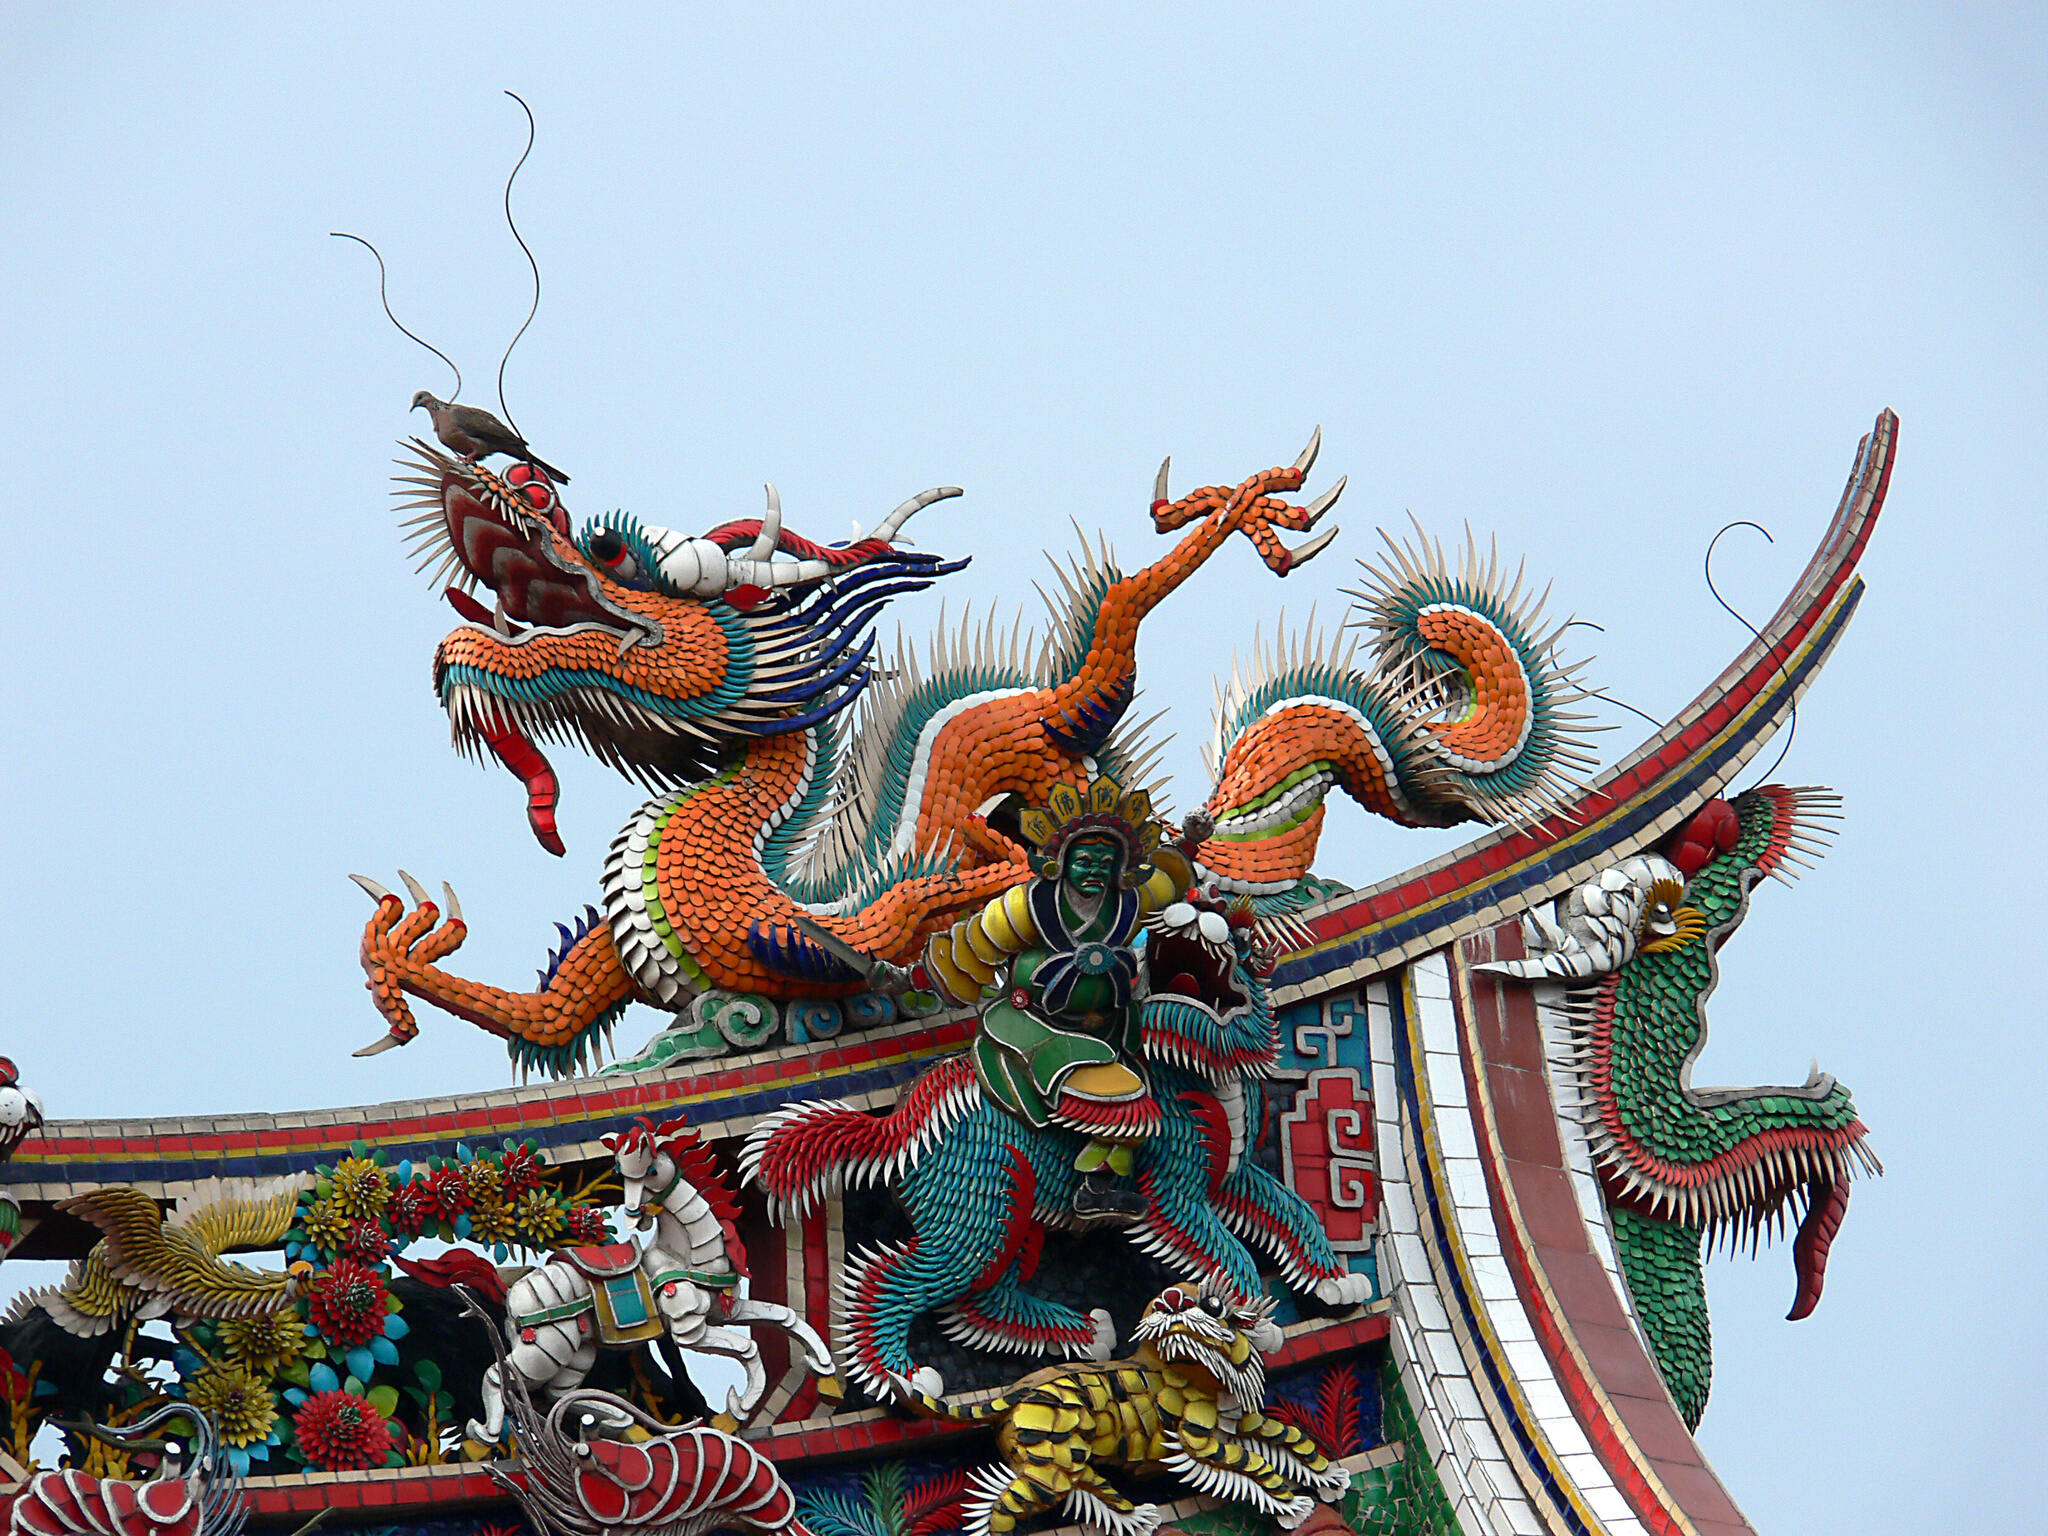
pixel 1296 1510
pixel 1332 1485
pixel 1103 1345
pixel 922 1380
pixel 1344 1290
pixel 1092 1514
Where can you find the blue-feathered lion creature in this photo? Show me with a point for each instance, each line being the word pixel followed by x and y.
pixel 981 1187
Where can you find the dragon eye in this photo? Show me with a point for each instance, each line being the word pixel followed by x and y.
pixel 607 548
pixel 1212 1306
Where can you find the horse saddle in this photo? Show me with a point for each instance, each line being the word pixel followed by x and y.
pixel 621 1299
pixel 601 1260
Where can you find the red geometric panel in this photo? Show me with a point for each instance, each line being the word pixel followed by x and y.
pixel 1326 1148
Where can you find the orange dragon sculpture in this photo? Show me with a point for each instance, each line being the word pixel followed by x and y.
pixel 788 831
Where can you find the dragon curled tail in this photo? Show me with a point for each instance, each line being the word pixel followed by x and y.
pixel 1460 713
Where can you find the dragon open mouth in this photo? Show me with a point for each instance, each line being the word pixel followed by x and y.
pixel 512 537
pixel 1185 967
pixel 1202 1014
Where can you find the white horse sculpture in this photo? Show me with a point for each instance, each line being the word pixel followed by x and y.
pixel 685 1282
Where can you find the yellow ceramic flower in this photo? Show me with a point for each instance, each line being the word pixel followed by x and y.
pixel 540 1217
pixel 326 1223
pixel 492 1223
pixel 486 1182
pixel 237 1400
pixel 361 1188
pixel 266 1345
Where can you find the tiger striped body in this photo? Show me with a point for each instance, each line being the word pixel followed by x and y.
pixel 1186 1402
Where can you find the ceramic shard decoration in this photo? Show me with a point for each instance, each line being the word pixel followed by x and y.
pixel 1032 1158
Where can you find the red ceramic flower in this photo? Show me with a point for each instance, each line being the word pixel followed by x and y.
pixel 346 1304
pixel 522 1171
pixel 412 1207
pixel 340 1432
pixel 367 1241
pixel 587 1224
pixel 451 1191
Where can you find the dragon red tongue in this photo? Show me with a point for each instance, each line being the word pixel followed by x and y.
pixel 1827 1202
pixel 515 751
pixel 542 790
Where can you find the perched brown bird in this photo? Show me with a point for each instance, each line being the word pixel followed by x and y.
pixel 475 433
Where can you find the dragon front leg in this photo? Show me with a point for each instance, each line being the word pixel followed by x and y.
pixel 883 1290
pixel 1101 687
pixel 1009 1318
pixel 1179 1170
pixel 584 988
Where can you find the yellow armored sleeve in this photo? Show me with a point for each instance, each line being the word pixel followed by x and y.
pixel 966 957
pixel 1171 876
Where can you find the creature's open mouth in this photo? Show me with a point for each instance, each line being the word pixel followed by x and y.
pixel 1199 1014
pixel 1791 1176
pixel 1182 965
pixel 511 539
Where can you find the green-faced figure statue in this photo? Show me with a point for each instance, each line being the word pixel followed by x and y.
pixel 1059 1044
pixel 1053 965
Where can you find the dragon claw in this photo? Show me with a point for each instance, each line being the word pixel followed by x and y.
pixel 401 947
pixel 1308 551
pixel 1103 1345
pixel 1313 512
pixel 1308 455
pixel 1159 480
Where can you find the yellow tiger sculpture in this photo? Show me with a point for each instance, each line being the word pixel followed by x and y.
pixel 1188 1401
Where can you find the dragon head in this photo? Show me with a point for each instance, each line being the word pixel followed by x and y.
pixel 1209 1326
pixel 1639 947
pixel 1207 1011
pixel 655 651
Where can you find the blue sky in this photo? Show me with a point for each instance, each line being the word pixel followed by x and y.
pixel 1596 281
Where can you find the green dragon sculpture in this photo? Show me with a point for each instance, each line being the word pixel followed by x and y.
pixel 1684 1168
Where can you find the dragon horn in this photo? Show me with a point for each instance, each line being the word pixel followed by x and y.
pixel 770 536
pixel 886 530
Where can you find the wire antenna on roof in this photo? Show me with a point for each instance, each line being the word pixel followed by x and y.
pixel 1792 726
pixel 531 132
pixel 384 298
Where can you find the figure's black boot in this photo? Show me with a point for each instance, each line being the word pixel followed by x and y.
pixel 1101 1195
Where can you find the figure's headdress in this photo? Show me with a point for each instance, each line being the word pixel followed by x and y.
pixel 1101 811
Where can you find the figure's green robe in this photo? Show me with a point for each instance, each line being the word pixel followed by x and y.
pixel 1026 1049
